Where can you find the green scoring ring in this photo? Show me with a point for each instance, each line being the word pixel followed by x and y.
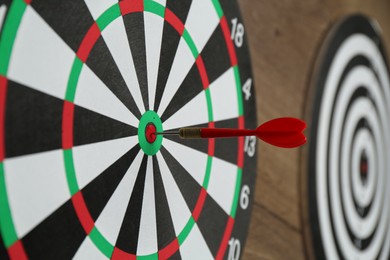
pixel 147 118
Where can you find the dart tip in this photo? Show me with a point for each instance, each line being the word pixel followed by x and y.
pixel 167 133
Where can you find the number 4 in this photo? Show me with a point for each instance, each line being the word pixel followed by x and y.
pixel 246 88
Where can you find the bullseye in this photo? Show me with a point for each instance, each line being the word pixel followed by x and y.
pixel 363 167
pixel 149 124
pixel 150 133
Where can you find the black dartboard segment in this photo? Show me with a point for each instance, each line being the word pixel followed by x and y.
pixel 347 163
pixel 79 81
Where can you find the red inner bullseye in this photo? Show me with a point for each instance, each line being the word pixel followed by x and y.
pixel 363 167
pixel 150 133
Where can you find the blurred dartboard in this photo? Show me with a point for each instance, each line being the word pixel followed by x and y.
pixel 348 159
pixel 79 83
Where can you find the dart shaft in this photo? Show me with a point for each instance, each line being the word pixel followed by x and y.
pixel 168 133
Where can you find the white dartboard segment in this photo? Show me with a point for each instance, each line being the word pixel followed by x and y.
pixel 94 95
pixel 116 39
pixel 193 161
pixel 40 58
pixel 224 86
pixel 88 250
pixel 3 10
pixel 110 220
pixel 36 186
pixel 97 8
pixel 182 63
pixel 185 116
pixel 221 188
pixel 198 27
pixel 147 237
pixel 177 206
pixel 153 39
pixel 195 245
pixel 91 160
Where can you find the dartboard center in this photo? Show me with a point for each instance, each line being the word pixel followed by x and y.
pixel 150 133
pixel 363 168
pixel 149 124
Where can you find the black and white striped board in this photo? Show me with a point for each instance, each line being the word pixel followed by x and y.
pixel 79 82
pixel 348 166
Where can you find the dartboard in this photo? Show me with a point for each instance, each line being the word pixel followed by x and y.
pixel 81 82
pixel 348 159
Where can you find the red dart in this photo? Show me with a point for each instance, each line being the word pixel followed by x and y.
pixel 286 132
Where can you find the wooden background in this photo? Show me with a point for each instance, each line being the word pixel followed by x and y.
pixel 284 38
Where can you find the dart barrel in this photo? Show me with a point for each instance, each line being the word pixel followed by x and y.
pixel 323 200
pixel 190 133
